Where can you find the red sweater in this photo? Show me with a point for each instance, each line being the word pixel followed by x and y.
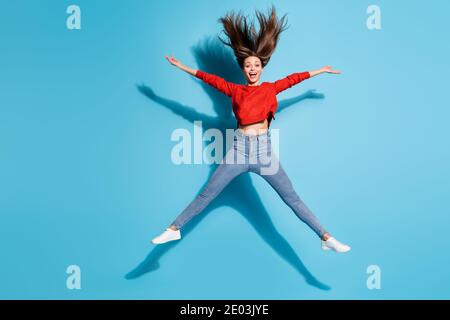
pixel 253 103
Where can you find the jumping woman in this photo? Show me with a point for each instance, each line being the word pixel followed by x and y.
pixel 254 105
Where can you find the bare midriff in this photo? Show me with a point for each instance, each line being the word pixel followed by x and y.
pixel 255 128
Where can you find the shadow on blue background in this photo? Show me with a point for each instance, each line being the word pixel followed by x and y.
pixel 240 194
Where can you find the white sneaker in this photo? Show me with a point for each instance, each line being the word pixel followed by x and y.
pixel 333 244
pixel 166 236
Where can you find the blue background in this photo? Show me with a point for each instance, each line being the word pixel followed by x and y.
pixel 87 179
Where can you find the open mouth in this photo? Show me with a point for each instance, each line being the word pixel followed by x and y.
pixel 252 75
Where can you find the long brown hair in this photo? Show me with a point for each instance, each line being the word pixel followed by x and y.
pixel 246 42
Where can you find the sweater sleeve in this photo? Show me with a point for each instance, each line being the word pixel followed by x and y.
pixel 290 80
pixel 217 82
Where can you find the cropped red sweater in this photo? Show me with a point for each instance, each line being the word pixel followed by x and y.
pixel 253 103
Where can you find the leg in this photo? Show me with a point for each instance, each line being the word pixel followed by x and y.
pixel 222 176
pixel 283 186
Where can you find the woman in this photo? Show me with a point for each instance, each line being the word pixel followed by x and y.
pixel 254 105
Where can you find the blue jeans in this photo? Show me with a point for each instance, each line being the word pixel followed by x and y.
pixel 250 153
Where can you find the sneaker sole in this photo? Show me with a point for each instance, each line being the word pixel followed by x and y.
pixel 165 241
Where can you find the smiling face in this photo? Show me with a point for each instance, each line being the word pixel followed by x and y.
pixel 252 69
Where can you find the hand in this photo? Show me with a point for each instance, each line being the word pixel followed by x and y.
pixel 329 69
pixel 173 61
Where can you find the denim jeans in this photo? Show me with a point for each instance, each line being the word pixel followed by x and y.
pixel 250 153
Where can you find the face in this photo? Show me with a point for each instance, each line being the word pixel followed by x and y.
pixel 252 70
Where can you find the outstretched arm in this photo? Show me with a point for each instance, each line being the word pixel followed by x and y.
pixel 215 81
pixel 178 64
pixel 295 78
pixel 326 69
